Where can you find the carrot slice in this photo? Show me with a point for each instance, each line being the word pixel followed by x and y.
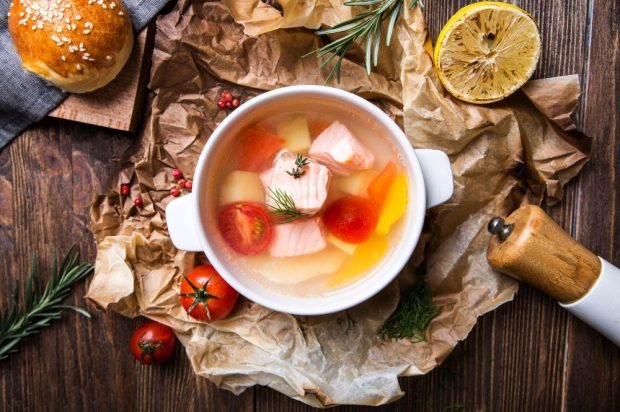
pixel 380 186
pixel 258 146
pixel 316 127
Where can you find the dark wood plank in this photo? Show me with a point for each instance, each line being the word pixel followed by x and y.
pixel 48 177
pixel 527 355
pixel 593 363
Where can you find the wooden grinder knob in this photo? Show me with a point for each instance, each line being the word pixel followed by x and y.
pixel 531 247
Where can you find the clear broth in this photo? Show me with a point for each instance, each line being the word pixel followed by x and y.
pixel 384 151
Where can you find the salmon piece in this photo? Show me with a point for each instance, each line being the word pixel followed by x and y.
pixel 297 238
pixel 265 177
pixel 308 192
pixel 337 148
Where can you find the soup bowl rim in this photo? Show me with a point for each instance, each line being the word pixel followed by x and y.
pixel 356 293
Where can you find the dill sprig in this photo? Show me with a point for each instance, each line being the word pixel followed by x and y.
pixel 300 163
pixel 413 314
pixel 284 209
pixel 365 27
pixel 39 309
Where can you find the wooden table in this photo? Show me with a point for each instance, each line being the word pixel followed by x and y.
pixel 528 355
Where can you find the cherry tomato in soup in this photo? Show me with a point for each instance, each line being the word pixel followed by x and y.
pixel 351 218
pixel 152 343
pixel 246 227
pixel 206 296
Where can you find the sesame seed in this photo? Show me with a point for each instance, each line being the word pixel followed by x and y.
pixel 78 17
pixel 108 57
pixel 21 14
pixel 79 67
pixel 120 13
pixel 63 58
pixel 34 27
pixel 112 5
pixel 86 31
pixel 58 29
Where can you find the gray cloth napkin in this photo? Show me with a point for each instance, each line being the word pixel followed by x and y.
pixel 24 97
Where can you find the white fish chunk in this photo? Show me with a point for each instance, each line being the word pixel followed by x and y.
pixel 309 191
pixel 337 148
pixel 297 238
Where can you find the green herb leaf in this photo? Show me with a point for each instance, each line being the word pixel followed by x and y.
pixel 284 209
pixel 365 27
pixel 453 407
pixel 300 163
pixel 39 309
pixel 413 314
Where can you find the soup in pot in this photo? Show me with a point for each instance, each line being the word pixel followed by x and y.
pixel 309 202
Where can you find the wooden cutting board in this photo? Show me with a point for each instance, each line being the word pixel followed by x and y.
pixel 119 104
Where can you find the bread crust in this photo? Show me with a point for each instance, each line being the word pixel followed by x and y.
pixel 77 45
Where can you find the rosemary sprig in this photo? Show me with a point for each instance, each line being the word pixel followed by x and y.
pixel 284 209
pixel 413 314
pixel 300 163
pixel 366 28
pixel 39 309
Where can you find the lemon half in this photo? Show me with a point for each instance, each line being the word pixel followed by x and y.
pixel 486 51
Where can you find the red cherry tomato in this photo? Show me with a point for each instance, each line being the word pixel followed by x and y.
pixel 351 218
pixel 246 227
pixel 152 343
pixel 206 296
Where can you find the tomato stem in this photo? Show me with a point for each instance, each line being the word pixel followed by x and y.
pixel 149 347
pixel 200 295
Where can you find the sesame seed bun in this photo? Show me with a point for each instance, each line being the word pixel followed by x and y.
pixel 76 45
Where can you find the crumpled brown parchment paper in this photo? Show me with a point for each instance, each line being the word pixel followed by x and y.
pixel 502 155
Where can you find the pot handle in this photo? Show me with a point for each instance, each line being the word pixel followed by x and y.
pixel 437 175
pixel 181 224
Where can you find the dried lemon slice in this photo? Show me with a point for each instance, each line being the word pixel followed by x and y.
pixel 486 51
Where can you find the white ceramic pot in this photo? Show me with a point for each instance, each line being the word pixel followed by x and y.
pixel 192 219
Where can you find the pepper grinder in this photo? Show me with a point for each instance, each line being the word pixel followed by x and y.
pixel 529 246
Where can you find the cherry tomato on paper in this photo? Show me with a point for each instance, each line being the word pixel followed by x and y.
pixel 351 218
pixel 246 227
pixel 206 296
pixel 152 343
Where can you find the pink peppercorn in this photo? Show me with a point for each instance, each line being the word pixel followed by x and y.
pixel 175 192
pixel 188 185
pixel 124 190
pixel 176 173
pixel 138 202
